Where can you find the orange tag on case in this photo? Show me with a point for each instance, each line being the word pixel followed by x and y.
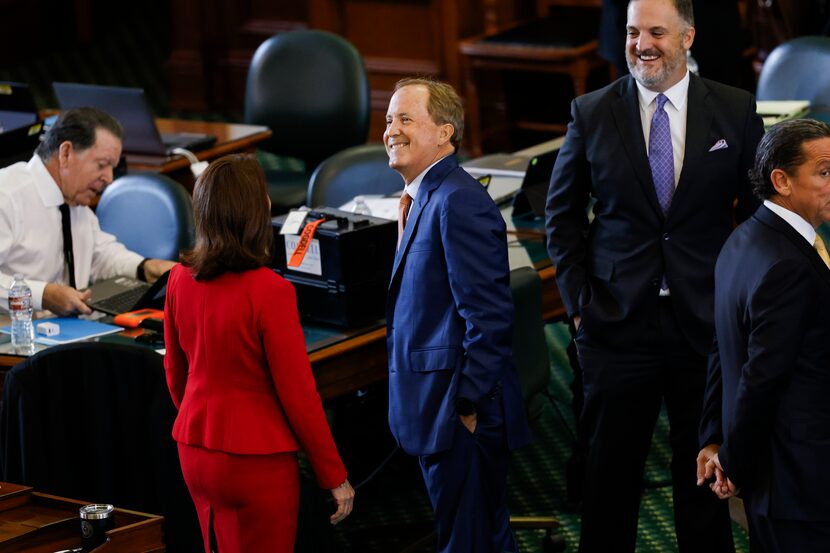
pixel 305 241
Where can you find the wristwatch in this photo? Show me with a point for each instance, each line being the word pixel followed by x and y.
pixel 465 407
pixel 139 271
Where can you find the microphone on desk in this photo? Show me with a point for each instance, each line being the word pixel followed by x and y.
pixel 196 167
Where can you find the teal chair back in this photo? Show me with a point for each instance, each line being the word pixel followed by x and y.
pixel 797 70
pixel 311 88
pixel 357 170
pixel 530 350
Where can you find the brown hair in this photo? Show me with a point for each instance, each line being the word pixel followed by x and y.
pixel 444 105
pixel 233 220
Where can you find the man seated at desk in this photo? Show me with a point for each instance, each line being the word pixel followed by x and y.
pixel 47 231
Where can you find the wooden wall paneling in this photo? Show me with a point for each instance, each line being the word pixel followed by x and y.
pixel 188 66
pixel 263 19
pixel 213 44
pixel 212 47
pixel 401 38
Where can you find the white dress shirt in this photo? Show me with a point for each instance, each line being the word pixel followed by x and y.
pixel 412 187
pixel 31 236
pixel 795 220
pixel 676 108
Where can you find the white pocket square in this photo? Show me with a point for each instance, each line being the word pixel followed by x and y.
pixel 719 145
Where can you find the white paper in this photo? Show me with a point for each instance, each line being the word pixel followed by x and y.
pixel 293 222
pixel 379 206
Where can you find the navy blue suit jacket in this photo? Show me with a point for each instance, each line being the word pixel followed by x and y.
pixel 449 314
pixel 609 270
pixel 769 372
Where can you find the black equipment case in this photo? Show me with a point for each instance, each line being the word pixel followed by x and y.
pixel 345 275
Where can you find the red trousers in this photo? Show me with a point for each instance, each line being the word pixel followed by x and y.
pixel 249 501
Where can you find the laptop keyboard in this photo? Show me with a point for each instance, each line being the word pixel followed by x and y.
pixel 120 303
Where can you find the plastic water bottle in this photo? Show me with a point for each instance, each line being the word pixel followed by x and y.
pixel 20 310
pixel 360 206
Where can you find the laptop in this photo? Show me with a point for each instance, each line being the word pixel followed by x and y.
pixel 20 125
pixel 129 106
pixel 534 191
pixel 17 107
pixel 502 165
pixel 121 294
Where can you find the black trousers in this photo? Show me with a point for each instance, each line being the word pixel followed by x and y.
pixel 624 390
pixel 769 535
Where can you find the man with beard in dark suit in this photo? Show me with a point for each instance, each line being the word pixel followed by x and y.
pixel 665 156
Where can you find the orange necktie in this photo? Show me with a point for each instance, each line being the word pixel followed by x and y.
pixel 403 211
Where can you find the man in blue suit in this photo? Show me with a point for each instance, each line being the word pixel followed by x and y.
pixel 664 156
pixel 454 396
pixel 766 424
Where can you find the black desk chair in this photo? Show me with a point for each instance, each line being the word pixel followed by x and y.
pixel 357 170
pixel 797 70
pixel 93 421
pixel 530 349
pixel 311 89
pixel 149 213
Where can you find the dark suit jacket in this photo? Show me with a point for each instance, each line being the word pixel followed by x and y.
pixel 769 373
pixel 449 314
pixel 609 271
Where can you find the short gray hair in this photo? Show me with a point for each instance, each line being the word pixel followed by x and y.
pixel 78 126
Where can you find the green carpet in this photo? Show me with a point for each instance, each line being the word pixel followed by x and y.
pixel 393 510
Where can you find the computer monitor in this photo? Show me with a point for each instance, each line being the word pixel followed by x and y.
pixel 20 128
pixel 17 107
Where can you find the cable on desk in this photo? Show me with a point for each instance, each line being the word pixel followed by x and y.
pixel 196 167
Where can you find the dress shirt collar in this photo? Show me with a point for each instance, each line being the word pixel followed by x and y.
pixel 46 186
pixel 800 225
pixel 412 187
pixel 677 94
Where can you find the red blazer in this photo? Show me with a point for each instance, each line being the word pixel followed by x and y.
pixel 238 370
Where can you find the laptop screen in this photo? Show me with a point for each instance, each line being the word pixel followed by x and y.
pixel 17 107
pixel 20 127
pixel 533 194
pixel 128 105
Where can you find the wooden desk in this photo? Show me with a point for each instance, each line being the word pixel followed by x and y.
pixel 356 361
pixel 344 362
pixel 548 45
pixel 231 138
pixel 361 360
pixel 40 523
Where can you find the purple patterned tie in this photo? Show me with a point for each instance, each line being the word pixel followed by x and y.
pixel 660 156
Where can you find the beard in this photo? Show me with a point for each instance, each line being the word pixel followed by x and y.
pixel 655 77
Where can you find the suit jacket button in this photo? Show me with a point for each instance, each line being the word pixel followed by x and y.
pixel 666 236
pixel 655 282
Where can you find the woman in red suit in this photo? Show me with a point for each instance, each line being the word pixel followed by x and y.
pixel 239 374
